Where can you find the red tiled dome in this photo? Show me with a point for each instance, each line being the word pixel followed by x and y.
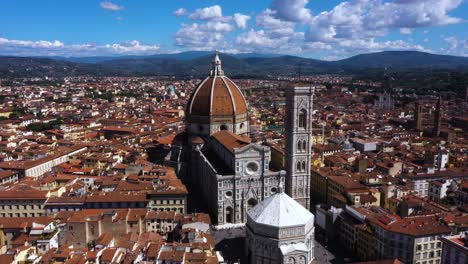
pixel 217 96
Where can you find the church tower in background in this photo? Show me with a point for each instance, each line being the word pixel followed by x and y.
pixel 298 147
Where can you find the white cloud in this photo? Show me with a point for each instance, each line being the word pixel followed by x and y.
pixel 272 42
pixel 30 44
pixel 317 46
pixel 363 45
pixel 207 13
pixel 267 20
pixel 211 30
pixel 241 20
pixel 375 18
pixel 452 41
pixel 256 39
pixel 404 13
pixel 57 48
pixel 131 47
pixel 108 5
pixel 205 36
pixel 455 46
pixel 406 31
pixel 180 12
pixel 292 10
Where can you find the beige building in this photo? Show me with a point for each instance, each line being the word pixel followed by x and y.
pixel 37 168
pixel 22 203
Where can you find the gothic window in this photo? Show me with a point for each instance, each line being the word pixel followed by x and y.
pixel 298 166
pixel 299 146
pixel 229 215
pixel 291 261
pixel 303 118
pixel 304 146
pixel 241 126
pixel 303 166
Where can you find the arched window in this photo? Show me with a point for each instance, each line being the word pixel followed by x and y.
pixel 229 215
pixel 241 126
pixel 302 260
pixel 223 127
pixel 298 166
pixel 303 118
pixel 304 145
pixel 303 166
pixel 299 146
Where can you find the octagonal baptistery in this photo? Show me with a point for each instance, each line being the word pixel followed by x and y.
pixel 280 231
pixel 216 104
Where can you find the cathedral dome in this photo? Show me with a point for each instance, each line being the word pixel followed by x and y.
pixel 217 95
pixel 217 102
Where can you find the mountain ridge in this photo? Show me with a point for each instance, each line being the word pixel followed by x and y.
pixel 248 65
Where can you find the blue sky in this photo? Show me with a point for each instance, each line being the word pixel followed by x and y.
pixel 325 29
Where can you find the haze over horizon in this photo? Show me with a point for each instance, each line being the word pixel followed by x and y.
pixel 327 30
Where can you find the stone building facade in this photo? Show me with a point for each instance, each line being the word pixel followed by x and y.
pixel 233 175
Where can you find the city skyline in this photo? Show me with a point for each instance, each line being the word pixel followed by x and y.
pixel 324 30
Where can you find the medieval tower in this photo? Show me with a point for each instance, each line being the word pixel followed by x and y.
pixel 298 147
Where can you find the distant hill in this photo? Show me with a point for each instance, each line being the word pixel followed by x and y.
pixel 187 55
pixel 197 63
pixel 402 59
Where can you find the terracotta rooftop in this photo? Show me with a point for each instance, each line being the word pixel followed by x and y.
pixel 230 140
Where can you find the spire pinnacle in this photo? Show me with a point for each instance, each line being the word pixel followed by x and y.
pixel 217 70
pixel 280 187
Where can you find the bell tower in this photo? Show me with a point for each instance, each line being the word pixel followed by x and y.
pixel 298 147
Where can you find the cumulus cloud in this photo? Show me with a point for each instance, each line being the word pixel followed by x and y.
pixel 210 29
pixel 204 36
pixel 375 18
pixel 292 10
pixel 269 41
pixel 357 25
pixel 207 13
pixel 108 5
pixel 57 48
pixel 455 46
pixel 267 19
pixel 255 39
pixel 241 20
pixel 180 12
